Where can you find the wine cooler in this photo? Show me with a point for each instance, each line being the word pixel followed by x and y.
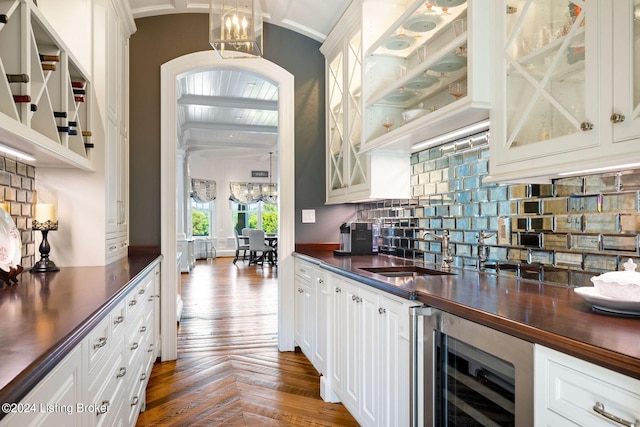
pixel 466 374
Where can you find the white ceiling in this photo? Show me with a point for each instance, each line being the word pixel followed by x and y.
pixel 233 113
pixel 313 18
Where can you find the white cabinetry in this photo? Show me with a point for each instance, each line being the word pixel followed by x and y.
pixel 349 173
pixel 311 313
pixel 44 92
pixel 53 401
pixel 368 366
pixel 116 119
pixel 427 69
pixel 569 392
pixel 568 95
pixel 102 381
pixel 304 308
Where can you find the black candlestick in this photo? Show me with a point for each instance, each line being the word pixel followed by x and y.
pixel 45 264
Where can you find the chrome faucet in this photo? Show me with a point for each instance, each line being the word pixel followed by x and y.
pixel 447 259
pixel 483 249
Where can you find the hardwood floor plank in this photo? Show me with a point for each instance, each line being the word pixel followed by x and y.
pixel 229 371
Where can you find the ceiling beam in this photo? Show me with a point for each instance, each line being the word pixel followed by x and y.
pixel 228 127
pixel 228 102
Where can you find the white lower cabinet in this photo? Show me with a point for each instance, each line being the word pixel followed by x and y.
pixel 102 381
pixel 572 392
pixel 368 366
pixel 53 402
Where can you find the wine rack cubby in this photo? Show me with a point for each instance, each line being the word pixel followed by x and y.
pixel 44 91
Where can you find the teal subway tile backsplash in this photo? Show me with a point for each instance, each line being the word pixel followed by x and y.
pixel 562 233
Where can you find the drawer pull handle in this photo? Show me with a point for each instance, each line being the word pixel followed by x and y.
pixel 134 346
pixel 134 401
pixel 150 299
pixel 599 408
pixel 143 376
pixel 338 290
pixel 382 310
pixel 143 329
pixel 122 372
pixel 150 348
pixel 141 291
pixel 103 408
pixel 118 320
pixel 132 303
pixel 101 343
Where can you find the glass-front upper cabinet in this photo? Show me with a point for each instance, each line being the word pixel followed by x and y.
pixel 346 170
pixel 547 102
pixel 425 63
pixel 567 94
pixel 626 73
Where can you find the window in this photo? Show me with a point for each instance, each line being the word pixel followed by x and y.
pixel 201 218
pixel 258 215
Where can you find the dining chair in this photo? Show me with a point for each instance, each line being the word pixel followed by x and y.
pixel 258 249
pixel 240 246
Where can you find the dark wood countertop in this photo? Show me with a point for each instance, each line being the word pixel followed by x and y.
pixel 546 314
pixel 45 316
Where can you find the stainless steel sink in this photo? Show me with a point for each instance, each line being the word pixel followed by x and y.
pixel 405 271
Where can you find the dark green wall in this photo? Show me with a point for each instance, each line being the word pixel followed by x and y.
pixel 162 38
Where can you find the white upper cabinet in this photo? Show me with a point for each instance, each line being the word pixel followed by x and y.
pixel 427 69
pixel 44 93
pixel 568 95
pixel 352 175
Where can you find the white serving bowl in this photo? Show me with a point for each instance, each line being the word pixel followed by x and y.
pixel 621 285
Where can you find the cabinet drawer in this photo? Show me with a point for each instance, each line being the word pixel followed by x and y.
pixel 568 389
pixel 108 382
pixel 303 269
pixel 98 342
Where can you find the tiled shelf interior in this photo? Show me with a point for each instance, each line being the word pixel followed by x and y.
pixel 564 232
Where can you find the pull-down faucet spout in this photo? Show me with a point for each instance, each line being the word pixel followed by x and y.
pixel 483 249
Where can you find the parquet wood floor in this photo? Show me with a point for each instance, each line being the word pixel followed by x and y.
pixel 229 371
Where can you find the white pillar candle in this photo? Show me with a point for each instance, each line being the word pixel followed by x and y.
pixel 46 212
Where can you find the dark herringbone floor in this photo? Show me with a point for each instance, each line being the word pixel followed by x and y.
pixel 229 371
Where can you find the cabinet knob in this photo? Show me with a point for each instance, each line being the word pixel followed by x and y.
pixel 300 290
pixel 382 310
pixel 585 126
pixel 338 290
pixel 320 281
pixel 617 118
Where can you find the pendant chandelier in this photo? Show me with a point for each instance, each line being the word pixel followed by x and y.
pixel 235 28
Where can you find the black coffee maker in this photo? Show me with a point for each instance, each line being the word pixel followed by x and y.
pixel 356 238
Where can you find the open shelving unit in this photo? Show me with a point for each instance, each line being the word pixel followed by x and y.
pixel 44 92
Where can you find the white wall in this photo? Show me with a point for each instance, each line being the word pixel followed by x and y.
pixel 224 170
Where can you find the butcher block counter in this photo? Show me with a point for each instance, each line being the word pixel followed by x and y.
pixel 541 313
pixel 44 316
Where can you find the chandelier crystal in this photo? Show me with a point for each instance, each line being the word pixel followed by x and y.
pixel 235 28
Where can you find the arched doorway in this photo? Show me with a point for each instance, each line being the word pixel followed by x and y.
pixel 169 73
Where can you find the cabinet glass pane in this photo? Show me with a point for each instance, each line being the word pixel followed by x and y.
pixel 545 54
pixel 336 118
pixel 354 83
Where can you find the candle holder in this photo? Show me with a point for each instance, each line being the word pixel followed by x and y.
pixel 45 264
pixel 45 219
